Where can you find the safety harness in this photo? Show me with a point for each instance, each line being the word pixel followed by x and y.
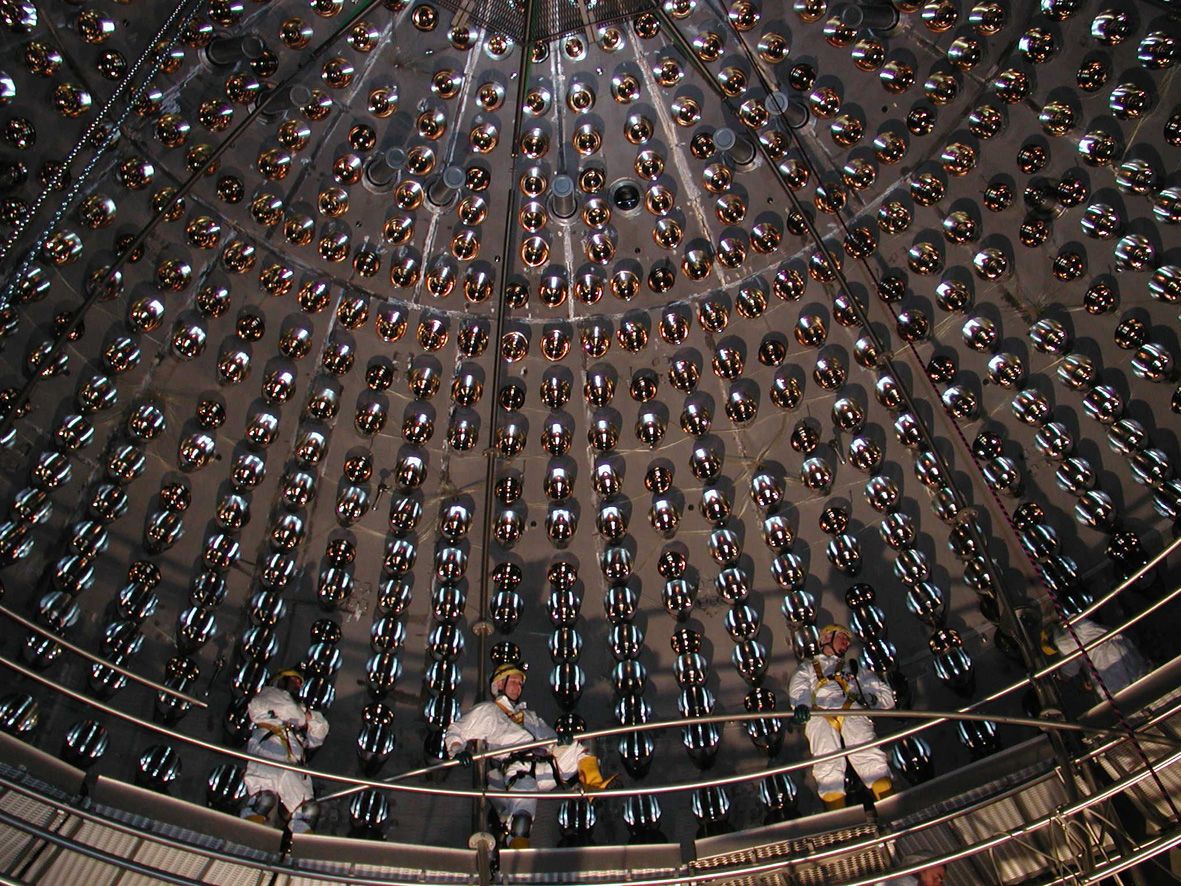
pixel 517 716
pixel 281 733
pixel 823 679
pixel 529 757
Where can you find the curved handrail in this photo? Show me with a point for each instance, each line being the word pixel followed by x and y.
pixel 394 783
pixel 729 872
pixel 1057 814
pixel 936 716
pixel 253 861
pixel 1140 853
pixel 98 659
pixel 1028 679
pixel 1129 581
pixel 1158 716
pixel 1109 634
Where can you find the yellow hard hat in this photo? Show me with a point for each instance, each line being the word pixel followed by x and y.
pixel 834 629
pixel 288 674
pixel 502 672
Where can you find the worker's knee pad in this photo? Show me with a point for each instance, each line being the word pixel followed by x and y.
pixel 260 803
pixel 304 817
pixel 521 824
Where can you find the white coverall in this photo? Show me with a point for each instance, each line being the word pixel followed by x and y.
pixel 1118 662
pixel 491 723
pixel 825 690
pixel 283 730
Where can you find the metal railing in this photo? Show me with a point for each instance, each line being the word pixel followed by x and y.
pixel 160 839
pixel 98 659
pixel 1141 852
pixel 397 782
pixel 1125 862
pixel 1038 824
pixel 932 717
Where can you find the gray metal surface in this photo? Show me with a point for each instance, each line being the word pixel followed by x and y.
pixel 406 58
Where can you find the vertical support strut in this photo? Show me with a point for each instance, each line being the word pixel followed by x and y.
pixel 483 628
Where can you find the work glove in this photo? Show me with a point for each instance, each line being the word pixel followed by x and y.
pixel 801 715
pixel 464 757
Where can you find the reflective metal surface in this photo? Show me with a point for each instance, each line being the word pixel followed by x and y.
pixel 646 337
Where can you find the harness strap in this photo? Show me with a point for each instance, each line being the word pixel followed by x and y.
pixel 517 717
pixel 530 771
pixel 281 733
pixel 823 679
pixel 528 756
pixel 509 759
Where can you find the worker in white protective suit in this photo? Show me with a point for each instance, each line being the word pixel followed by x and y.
pixel 284 729
pixel 505 722
pixel 828 682
pixel 1117 660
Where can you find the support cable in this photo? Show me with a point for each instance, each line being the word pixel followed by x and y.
pixel 158 48
pixel 1027 644
pixel 483 628
pixel 98 289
